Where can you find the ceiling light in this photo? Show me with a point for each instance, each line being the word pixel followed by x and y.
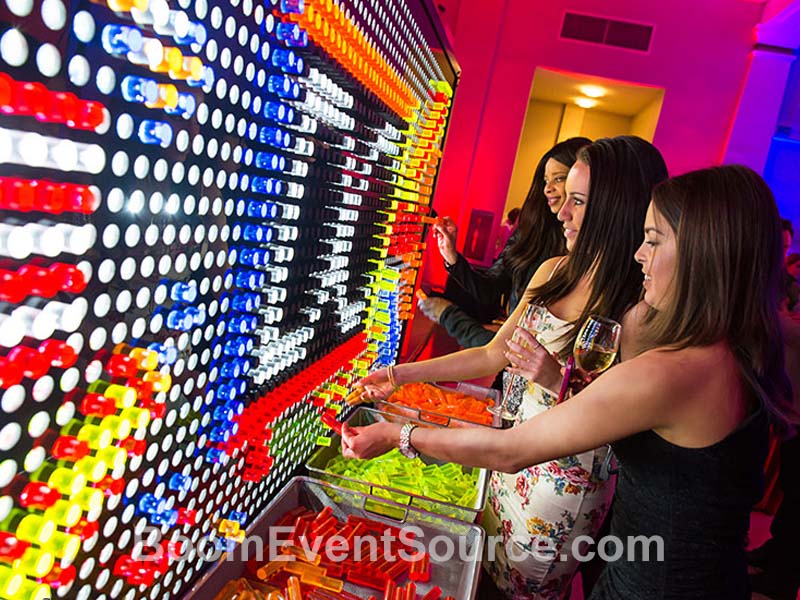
pixel 593 91
pixel 585 102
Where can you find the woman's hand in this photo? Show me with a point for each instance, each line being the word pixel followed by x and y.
pixel 433 307
pixel 370 441
pixel 532 361
pixel 578 379
pixel 445 232
pixel 375 386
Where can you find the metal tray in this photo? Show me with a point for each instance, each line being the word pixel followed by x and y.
pixel 442 419
pixel 457 577
pixel 365 416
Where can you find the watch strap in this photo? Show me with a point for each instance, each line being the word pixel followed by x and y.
pixel 406 449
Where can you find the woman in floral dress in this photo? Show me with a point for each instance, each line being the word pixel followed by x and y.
pixel 536 514
pixel 533 516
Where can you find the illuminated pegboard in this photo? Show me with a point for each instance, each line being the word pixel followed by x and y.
pixel 212 219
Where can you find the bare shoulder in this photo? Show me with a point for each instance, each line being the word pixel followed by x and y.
pixel 645 390
pixel 690 361
pixel 550 264
pixel 544 271
pixel 672 374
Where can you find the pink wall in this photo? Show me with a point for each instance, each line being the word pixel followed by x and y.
pixel 699 54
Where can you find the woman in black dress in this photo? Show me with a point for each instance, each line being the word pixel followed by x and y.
pixel 687 416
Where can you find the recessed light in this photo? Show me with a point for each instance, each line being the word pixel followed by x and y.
pixel 592 91
pixel 585 102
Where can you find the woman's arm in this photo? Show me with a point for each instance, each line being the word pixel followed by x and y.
pixel 486 287
pixel 472 362
pixel 634 396
pixel 468 332
pixel 459 366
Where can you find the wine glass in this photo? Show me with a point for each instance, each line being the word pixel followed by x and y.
pixel 595 348
pixel 514 385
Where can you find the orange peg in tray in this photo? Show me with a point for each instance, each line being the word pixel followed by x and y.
pixel 430 398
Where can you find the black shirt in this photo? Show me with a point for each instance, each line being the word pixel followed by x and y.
pixel 698 501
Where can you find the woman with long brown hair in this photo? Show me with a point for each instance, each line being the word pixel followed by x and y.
pixel 472 298
pixel 688 415
pixel 556 502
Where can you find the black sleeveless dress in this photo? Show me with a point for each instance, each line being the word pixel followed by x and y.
pixel 698 500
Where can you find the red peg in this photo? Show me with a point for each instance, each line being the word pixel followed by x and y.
pixel 91 115
pixel 32 364
pixel 97 405
pixel 120 365
pixel 81 199
pixel 12 287
pixel 60 354
pixel 10 373
pixel 10 197
pixel 84 529
pixel 21 194
pixel 62 108
pixel 69 277
pixel 168 550
pixel 111 486
pixel 69 448
pixel 186 516
pixel 157 409
pixel 59 577
pixel 144 389
pixel 38 495
pixel 172 548
pixel 5 93
pixel 124 565
pixel 39 280
pixel 133 446
pixel 141 574
pixel 40 195
pixel 29 98
pixel 11 548
pixel 52 198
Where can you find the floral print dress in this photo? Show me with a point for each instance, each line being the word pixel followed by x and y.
pixel 535 515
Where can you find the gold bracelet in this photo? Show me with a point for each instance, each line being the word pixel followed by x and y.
pixel 390 375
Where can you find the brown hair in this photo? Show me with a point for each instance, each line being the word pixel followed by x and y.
pixel 728 274
pixel 623 172
pixel 539 234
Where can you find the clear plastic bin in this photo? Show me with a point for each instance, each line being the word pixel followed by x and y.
pixel 456 576
pixel 361 417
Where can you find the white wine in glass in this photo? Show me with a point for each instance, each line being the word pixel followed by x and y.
pixel 594 351
pixel 597 344
pixel 594 360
